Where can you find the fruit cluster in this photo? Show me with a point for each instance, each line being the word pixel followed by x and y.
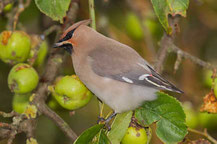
pixel 27 54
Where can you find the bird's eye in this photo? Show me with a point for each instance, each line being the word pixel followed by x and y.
pixel 68 35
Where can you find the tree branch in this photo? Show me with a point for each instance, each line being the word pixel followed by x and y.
pixel 59 121
pixel 20 123
pixel 205 134
pixel 52 68
pixel 4 133
pixel 21 8
pixel 6 115
pixel 173 48
pixel 53 65
pixel 165 43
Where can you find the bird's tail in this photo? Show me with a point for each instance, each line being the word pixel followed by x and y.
pixel 161 83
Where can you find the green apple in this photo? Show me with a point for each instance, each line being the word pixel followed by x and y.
pixel 208 120
pixel 191 115
pixel 8 7
pixel 215 88
pixel 20 102
pixel 22 79
pixel 71 93
pixel 207 78
pixel 42 52
pixel 53 104
pixel 14 46
pixel 133 27
pixel 135 136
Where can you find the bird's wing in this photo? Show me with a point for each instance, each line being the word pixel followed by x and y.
pixel 126 67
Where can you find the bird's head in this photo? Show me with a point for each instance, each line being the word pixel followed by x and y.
pixel 68 38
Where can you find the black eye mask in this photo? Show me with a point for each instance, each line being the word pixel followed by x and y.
pixel 67 47
pixel 68 35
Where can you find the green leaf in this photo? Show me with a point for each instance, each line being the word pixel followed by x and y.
pixel 119 127
pixel 101 138
pixel 56 9
pixel 167 112
pixel 88 135
pixel 164 7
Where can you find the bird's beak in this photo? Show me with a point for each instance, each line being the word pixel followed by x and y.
pixel 68 46
pixel 57 45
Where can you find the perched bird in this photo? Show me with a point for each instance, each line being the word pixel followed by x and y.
pixel 113 71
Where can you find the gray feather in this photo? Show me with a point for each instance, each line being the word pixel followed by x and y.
pixel 127 66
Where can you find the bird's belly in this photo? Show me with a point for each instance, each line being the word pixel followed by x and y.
pixel 122 98
pixel 119 96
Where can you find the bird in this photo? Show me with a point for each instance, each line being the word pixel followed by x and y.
pixel 113 71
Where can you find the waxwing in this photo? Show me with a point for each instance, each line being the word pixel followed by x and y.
pixel 113 71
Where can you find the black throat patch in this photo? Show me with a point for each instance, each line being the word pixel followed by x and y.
pixel 67 47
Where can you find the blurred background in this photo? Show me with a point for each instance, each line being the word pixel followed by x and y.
pixel 116 19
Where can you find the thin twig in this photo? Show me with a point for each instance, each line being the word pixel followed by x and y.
pixel 92 14
pixel 5 125
pixel 205 134
pixel 12 137
pixel 72 12
pixel 21 8
pixel 10 17
pixel 165 43
pixel 163 52
pixel 178 61
pixel 11 114
pixel 172 47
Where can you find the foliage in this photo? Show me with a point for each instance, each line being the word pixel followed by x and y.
pixel 119 127
pixel 56 9
pixel 88 135
pixel 169 116
pixel 166 112
pixel 163 8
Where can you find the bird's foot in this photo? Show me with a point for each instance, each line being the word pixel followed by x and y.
pixel 104 121
pixel 101 120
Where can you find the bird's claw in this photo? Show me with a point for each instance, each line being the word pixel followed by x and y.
pixel 101 120
pixel 107 126
pixel 104 121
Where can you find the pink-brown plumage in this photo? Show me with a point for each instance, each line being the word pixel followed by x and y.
pixel 115 72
